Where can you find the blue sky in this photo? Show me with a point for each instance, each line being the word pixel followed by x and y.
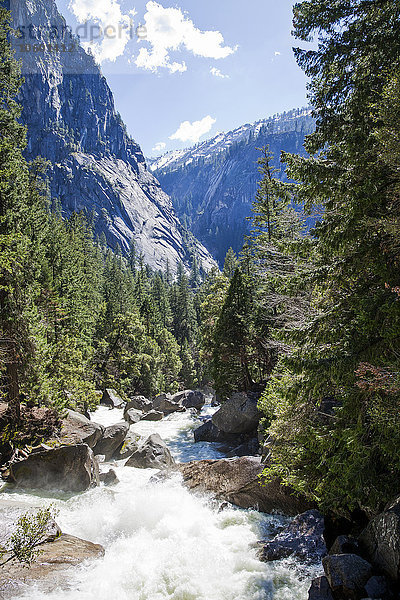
pixel 196 67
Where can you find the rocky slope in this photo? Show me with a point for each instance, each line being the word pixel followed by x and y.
pixel 213 184
pixel 95 166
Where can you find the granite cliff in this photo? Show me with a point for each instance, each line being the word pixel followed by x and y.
pixel 95 165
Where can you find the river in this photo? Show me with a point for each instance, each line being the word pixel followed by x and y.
pixel 163 542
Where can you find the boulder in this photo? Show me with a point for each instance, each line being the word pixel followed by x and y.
pixel 236 480
pixel 109 478
pixel 130 445
pixel 179 396
pixel 239 414
pixel 347 574
pixel 112 440
pixel 78 429
pixel 208 432
pixel 164 403
pixel 153 415
pixel 110 398
pixel 67 468
pixel 345 544
pixel 133 416
pixel 320 589
pixel 139 403
pixel 380 540
pixel 377 587
pixel 152 454
pixel 190 399
pixel 303 538
pixel 55 556
pixel 250 447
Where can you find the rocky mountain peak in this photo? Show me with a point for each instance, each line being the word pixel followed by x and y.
pixel 96 166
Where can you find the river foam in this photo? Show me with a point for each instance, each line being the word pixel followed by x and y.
pixel 163 542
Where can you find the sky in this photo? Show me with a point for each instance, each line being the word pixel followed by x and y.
pixel 183 71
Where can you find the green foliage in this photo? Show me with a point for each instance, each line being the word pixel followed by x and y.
pixel 30 532
pixel 346 350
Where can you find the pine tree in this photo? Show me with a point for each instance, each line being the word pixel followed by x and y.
pixel 231 353
pixel 350 340
pixel 230 264
pixel 19 205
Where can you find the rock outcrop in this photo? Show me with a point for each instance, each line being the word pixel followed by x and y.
pixel 238 415
pixel 67 468
pixel 152 454
pixel 320 589
pixel 133 416
pixel 109 477
pixel 55 556
pixel 130 444
pixel 236 480
pixel 112 440
pixel 303 538
pixel 111 398
pixel 190 399
pixel 347 575
pixel 77 429
pixel 153 415
pixel 381 540
pixel 95 166
pixel 165 404
pixel 208 432
pixel 139 403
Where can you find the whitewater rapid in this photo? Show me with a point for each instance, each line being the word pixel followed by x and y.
pixel 163 542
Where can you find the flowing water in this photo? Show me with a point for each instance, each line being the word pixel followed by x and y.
pixel 163 542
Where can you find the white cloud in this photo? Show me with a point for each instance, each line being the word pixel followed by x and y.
pixel 192 132
pixel 217 73
pixel 277 53
pixel 169 29
pixel 159 147
pixel 105 29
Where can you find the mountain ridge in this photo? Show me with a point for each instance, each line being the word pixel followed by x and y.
pixel 213 184
pixel 95 165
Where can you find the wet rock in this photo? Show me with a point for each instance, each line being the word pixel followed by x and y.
pixel 153 415
pixel 112 440
pixel 303 538
pixel 133 416
pixel 139 403
pixel 130 445
pixel 345 544
pixel 236 480
pixel 239 414
pixel 194 399
pixel 111 398
pixel 380 540
pixel 249 448
pixel 164 403
pixel 67 468
pixel 320 589
pixel 179 396
pixel 109 478
pixel 152 454
pixel 347 574
pixel 208 432
pixel 77 429
pixel 55 557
